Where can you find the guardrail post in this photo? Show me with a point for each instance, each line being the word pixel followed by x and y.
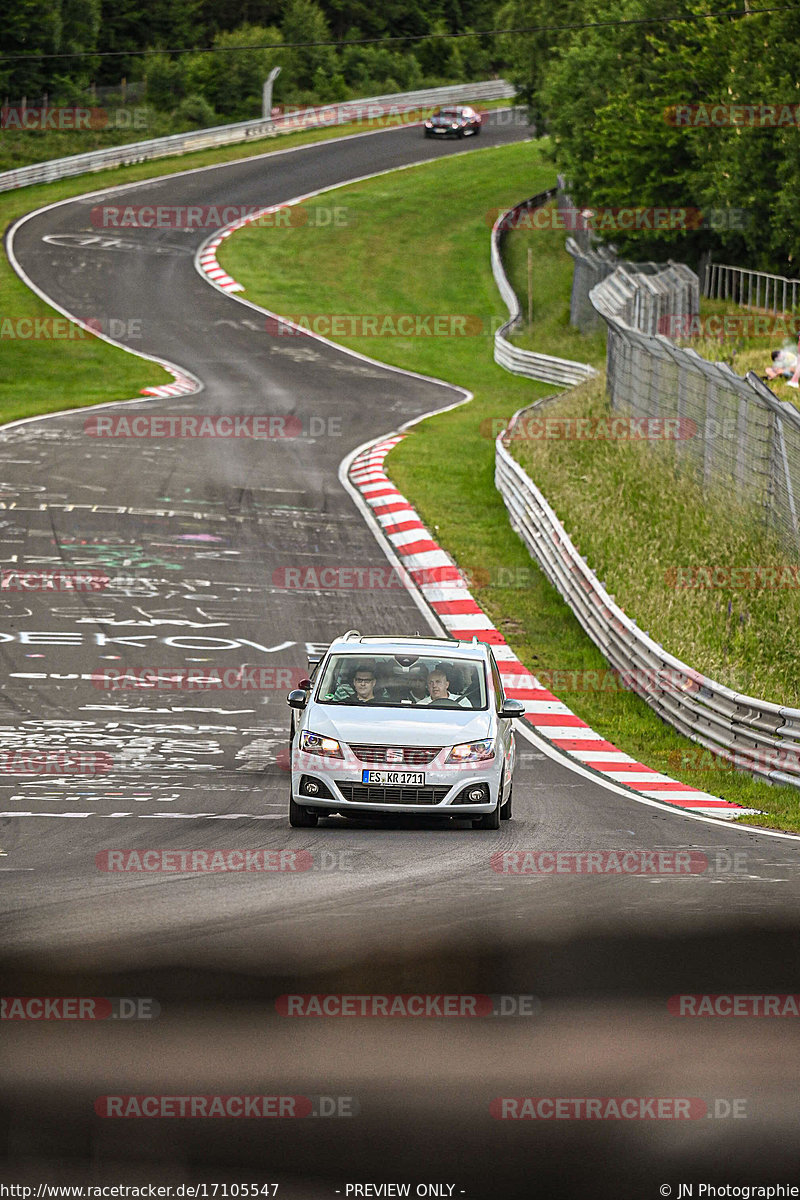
pixel 266 95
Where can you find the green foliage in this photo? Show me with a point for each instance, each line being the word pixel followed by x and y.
pixel 231 80
pixel 195 112
pixel 607 94
pixel 165 81
pixel 30 28
pixel 304 21
pixel 194 49
pixel 439 57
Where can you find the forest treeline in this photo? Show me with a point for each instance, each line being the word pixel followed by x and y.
pixel 647 103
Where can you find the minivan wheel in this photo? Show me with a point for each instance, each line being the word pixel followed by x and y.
pixel 301 818
pixel 491 820
pixel 488 820
pixel 505 811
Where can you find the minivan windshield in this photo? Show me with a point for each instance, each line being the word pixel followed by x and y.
pixel 403 681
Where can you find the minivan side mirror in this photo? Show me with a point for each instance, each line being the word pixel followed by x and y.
pixel 297 698
pixel 512 708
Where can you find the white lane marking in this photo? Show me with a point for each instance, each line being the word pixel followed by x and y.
pixel 526 732
pixel 156 816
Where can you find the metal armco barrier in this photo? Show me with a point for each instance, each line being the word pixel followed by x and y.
pixel 746 437
pixel 526 362
pixel 758 736
pixel 753 734
pixel 223 135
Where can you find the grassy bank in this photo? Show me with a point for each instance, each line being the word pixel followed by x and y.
pixel 423 266
pixel 644 525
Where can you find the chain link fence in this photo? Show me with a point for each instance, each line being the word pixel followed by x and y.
pixel 734 431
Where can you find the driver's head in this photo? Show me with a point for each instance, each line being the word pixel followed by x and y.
pixel 438 684
pixel 364 683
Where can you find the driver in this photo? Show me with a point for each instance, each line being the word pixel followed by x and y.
pixel 439 688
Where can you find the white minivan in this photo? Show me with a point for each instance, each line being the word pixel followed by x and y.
pixel 403 725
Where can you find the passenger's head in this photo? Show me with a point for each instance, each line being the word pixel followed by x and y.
pixel 364 681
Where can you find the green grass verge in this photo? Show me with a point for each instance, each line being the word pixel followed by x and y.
pixel 634 494
pixel 405 248
pixel 446 464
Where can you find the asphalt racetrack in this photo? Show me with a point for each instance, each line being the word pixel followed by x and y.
pixel 194 533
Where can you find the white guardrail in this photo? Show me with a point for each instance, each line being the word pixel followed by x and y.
pixel 365 110
pixel 752 734
pixel 515 360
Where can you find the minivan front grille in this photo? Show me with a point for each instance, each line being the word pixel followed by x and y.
pixel 412 756
pixel 362 793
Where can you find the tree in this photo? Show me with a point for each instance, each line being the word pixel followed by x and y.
pixel 304 21
pixel 231 80
pixel 30 28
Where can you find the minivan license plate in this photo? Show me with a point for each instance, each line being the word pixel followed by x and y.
pixel 399 778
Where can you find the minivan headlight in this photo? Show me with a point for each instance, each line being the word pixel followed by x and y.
pixel 316 743
pixel 472 752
